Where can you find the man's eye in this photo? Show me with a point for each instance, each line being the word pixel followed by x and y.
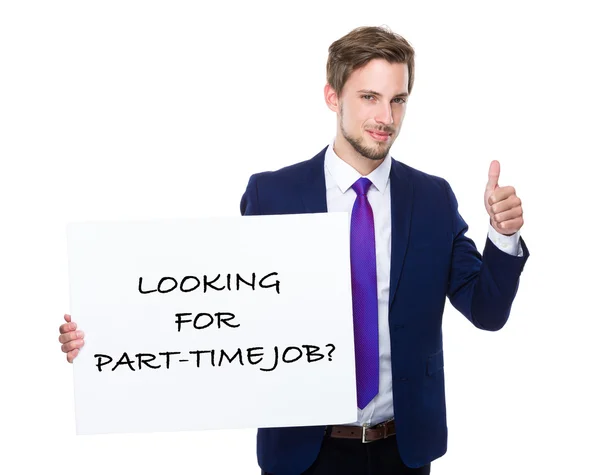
pixel 400 100
pixel 367 97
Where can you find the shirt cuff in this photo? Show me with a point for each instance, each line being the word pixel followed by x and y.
pixel 509 244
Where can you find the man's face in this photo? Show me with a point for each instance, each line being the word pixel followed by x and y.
pixel 372 107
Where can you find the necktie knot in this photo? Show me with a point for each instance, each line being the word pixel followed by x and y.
pixel 361 186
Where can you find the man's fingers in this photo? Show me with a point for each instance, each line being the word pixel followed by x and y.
pixel 493 175
pixel 67 327
pixel 512 224
pixel 72 354
pixel 511 202
pixel 508 215
pixel 501 193
pixel 71 340
pixel 71 345
pixel 66 337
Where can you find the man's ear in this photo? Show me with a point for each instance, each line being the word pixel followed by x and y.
pixel 331 98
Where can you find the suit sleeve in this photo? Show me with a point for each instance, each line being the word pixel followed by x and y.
pixel 482 288
pixel 249 202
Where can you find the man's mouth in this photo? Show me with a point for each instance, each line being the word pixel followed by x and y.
pixel 379 136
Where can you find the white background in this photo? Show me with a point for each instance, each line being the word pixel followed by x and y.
pixel 141 110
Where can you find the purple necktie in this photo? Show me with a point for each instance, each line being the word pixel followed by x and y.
pixel 364 295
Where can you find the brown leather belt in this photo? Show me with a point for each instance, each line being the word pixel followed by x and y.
pixel 363 433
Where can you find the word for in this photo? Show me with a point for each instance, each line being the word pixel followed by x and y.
pixel 216 358
pixel 190 283
pixel 205 320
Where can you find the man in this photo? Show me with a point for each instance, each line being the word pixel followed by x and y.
pixel 408 253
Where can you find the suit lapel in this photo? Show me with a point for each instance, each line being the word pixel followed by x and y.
pixel 312 188
pixel 401 192
pixel 313 193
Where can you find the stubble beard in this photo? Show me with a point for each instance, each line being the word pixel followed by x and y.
pixel 376 153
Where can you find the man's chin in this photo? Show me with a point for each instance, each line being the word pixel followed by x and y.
pixel 369 148
pixel 377 153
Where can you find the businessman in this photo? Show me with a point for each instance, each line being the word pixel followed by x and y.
pixel 408 252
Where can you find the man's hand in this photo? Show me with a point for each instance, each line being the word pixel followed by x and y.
pixel 71 338
pixel 502 204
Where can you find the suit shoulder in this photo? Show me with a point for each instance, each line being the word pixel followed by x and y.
pixel 268 188
pixel 420 178
pixel 290 175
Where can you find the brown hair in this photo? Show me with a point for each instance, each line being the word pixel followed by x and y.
pixel 360 46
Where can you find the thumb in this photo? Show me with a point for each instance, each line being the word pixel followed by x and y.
pixel 493 175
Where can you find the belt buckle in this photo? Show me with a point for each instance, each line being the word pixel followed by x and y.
pixel 364 435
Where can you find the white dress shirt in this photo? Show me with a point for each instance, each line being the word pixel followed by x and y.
pixel 339 178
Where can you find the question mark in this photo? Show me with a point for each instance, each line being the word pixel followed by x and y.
pixel 330 351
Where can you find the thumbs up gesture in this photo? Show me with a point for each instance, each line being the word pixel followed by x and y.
pixel 502 204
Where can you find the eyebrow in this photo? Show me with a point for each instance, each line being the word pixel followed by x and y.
pixel 375 93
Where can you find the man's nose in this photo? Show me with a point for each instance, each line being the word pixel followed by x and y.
pixel 384 114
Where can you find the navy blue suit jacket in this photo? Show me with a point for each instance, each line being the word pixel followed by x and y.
pixel 431 259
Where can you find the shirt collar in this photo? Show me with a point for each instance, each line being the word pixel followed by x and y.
pixel 344 175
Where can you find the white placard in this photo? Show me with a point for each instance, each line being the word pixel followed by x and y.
pixel 213 323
